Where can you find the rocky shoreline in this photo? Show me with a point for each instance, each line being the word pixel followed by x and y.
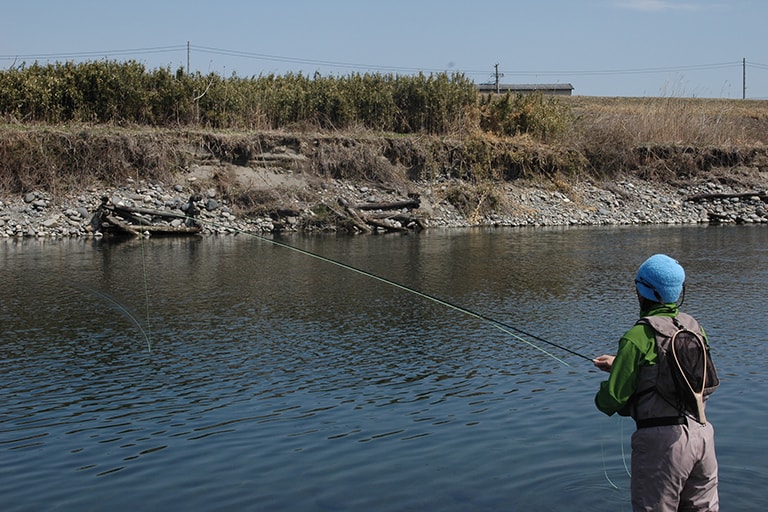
pixel 628 201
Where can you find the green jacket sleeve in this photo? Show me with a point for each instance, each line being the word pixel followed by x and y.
pixel 614 393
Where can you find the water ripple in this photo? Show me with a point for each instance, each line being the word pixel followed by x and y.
pixel 282 385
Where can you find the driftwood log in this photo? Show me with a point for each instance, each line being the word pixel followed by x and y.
pixel 715 197
pixel 368 217
pixel 129 221
pixel 357 221
pixel 405 220
pixel 396 205
pixel 113 221
pixel 132 212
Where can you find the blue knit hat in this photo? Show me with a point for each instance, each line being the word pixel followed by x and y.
pixel 660 279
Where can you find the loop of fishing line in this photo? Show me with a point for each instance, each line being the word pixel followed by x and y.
pixel 122 309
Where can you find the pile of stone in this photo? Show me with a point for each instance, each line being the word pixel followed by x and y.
pixel 616 203
pixel 36 214
pixel 625 203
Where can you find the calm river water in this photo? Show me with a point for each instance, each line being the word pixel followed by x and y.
pixel 235 374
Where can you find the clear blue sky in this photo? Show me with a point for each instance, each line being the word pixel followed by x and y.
pixel 601 47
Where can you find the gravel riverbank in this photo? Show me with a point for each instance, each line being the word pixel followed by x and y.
pixel 623 202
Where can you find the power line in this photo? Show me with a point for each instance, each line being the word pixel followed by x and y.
pixel 631 71
pixel 105 53
pixel 188 48
pixel 296 60
pixel 277 58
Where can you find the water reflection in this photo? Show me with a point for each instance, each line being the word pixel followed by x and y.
pixel 283 382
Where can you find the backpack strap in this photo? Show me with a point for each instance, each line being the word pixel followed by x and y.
pixel 668 325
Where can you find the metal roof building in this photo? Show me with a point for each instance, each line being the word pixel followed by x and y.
pixel 556 89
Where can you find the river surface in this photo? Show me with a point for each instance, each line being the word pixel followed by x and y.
pixel 232 373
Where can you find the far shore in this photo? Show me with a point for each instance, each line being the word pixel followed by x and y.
pixel 624 161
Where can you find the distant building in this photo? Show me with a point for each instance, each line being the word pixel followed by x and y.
pixel 554 89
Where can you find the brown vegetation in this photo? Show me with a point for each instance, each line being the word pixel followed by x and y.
pixel 600 145
pixel 73 127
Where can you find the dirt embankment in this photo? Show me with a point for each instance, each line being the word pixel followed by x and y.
pixel 53 179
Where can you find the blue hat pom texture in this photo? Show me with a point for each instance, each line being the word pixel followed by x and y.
pixel 662 275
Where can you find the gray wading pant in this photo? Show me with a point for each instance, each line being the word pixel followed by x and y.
pixel 674 468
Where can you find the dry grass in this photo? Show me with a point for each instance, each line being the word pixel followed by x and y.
pixel 62 159
pixel 654 138
pixel 691 121
pixel 667 138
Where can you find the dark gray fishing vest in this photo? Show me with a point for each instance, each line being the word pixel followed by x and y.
pixel 678 385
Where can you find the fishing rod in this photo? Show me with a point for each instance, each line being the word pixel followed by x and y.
pixel 504 327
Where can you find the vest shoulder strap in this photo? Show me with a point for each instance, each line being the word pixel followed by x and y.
pixel 668 326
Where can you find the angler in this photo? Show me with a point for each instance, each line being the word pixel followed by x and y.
pixel 661 376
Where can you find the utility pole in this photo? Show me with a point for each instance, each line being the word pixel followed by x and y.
pixel 187 57
pixel 744 78
pixel 498 75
